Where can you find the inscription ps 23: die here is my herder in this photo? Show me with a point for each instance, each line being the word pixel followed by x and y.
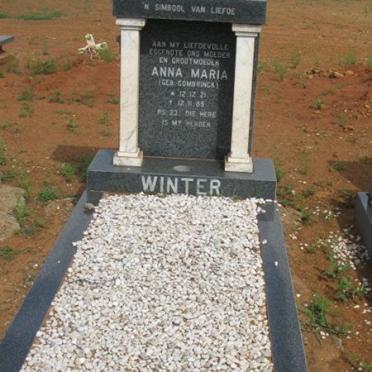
pixel 198 9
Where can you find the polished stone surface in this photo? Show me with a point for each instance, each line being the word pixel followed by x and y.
pixel 186 89
pixel 232 11
pixel 21 333
pixel 183 176
pixel 285 333
pixel 363 211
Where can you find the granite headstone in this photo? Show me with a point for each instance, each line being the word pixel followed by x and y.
pixel 188 81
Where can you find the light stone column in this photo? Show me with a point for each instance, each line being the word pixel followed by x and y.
pixel 239 160
pixel 129 153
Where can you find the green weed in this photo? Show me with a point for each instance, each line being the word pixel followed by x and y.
pixel 82 167
pixel 31 226
pixel 279 173
pixel 11 66
pixel 21 212
pixel 346 290
pixel 369 62
pixel 67 64
pixel 317 313
pixel 6 124
pixel 9 126
pixel 359 365
pixel 113 99
pixel 68 171
pixel 337 166
pixel 4 15
pixel 342 119
pixel 311 248
pixel 305 214
pixel 72 124
pixel 6 253
pixel 279 68
pixel 24 182
pixel 26 110
pixel 308 192
pixel 8 175
pixel 42 67
pixel 334 268
pixel 262 66
pixel 318 104
pixel 48 193
pixel 286 195
pixel 44 15
pixel 27 94
pixel 3 157
pixel 104 119
pixel 348 198
pixel 86 99
pixel 56 97
pixel 295 59
pixel 350 59
pixel 106 55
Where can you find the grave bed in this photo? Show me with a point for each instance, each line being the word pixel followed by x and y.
pixel 286 343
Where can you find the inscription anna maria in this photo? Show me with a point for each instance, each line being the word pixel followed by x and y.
pixel 186 89
pixel 194 73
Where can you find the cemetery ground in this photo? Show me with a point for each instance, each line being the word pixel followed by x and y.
pixel 313 117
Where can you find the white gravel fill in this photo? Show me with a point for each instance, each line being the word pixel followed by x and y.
pixel 161 284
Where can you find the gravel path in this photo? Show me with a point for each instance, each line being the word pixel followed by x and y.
pixel 161 284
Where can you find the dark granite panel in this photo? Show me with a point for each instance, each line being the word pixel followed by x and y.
pixel 285 334
pixel 363 211
pixel 370 194
pixel 195 177
pixel 232 11
pixel 186 89
pixel 20 335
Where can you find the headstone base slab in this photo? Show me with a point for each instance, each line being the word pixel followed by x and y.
pixel 181 176
pixel 364 219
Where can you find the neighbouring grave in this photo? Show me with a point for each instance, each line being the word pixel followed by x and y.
pixel 188 82
pixel 4 39
pixel 364 217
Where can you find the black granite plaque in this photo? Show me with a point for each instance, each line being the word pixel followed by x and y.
pixel 251 12
pixel 186 89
